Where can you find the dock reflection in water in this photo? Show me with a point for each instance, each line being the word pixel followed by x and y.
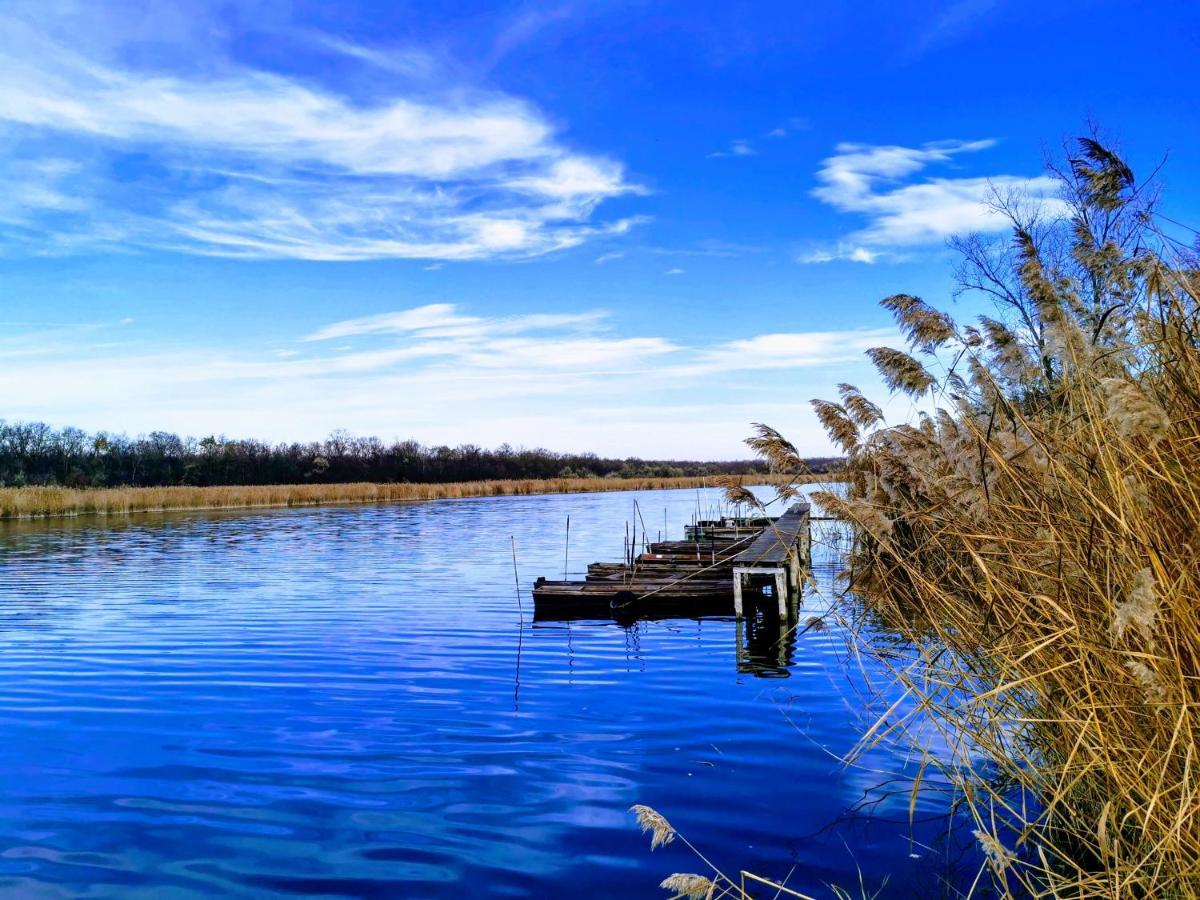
pixel 764 647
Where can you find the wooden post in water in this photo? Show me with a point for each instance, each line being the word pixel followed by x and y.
pixel 516 577
pixel 645 534
pixel 781 592
pixel 794 570
pixel 567 549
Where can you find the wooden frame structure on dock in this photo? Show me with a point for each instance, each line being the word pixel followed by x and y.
pixel 779 553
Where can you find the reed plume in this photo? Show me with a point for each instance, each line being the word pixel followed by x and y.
pixel 1035 540
pixel 650 820
pixel 901 372
pixel 693 887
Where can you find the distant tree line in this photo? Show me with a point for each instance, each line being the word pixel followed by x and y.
pixel 33 453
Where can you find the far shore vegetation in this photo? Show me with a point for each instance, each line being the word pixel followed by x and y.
pixel 66 472
pixel 50 501
pixel 36 454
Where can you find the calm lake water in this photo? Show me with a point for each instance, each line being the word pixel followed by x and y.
pixel 347 702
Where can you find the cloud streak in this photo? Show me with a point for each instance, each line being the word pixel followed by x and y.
pixel 736 148
pixel 440 373
pixel 237 161
pixel 877 182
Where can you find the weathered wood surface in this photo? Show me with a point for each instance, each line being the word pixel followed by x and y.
pixel 683 576
pixel 728 526
pixel 777 541
pixel 657 568
pixel 694 585
pixel 685 548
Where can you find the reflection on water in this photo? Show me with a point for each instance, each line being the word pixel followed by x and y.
pixel 765 650
pixel 351 702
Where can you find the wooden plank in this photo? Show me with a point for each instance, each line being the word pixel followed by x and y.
pixel 681 576
pixel 776 542
pixel 639 587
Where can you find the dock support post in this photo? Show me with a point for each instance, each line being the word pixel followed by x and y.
pixel 781 592
pixel 737 592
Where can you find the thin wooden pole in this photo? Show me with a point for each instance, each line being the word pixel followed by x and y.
pixel 638 510
pixel 520 628
pixel 516 577
pixel 567 549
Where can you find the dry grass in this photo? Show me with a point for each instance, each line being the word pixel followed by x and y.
pixel 42 502
pixel 716 885
pixel 1037 540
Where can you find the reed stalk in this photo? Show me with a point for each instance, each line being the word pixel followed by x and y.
pixel 1035 537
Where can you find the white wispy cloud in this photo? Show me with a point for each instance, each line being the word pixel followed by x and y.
pixel 877 183
pixel 847 251
pixel 736 148
pixel 951 23
pixel 223 159
pixel 397 60
pixel 793 124
pixel 440 373
pixel 786 350
pixel 708 247
pixel 444 320
pixel 525 26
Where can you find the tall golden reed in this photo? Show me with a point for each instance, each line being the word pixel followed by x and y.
pixel 1036 536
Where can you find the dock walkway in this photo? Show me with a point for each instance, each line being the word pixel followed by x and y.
pixel 779 553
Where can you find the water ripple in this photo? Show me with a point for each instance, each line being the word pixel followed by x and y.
pixel 348 702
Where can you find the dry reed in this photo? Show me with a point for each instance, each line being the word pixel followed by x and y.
pixel 1036 539
pixel 716 885
pixel 42 502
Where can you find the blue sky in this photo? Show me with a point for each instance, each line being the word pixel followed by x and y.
pixel 628 227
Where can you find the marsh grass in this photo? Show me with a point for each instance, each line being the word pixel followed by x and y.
pixel 716 885
pixel 1035 537
pixel 43 502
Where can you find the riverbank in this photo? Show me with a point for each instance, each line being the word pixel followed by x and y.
pixel 48 502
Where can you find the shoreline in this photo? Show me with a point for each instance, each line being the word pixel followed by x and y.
pixel 30 503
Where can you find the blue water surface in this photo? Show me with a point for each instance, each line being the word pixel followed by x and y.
pixel 351 702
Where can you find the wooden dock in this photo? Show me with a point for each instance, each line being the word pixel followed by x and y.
pixel 779 553
pixel 724 568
